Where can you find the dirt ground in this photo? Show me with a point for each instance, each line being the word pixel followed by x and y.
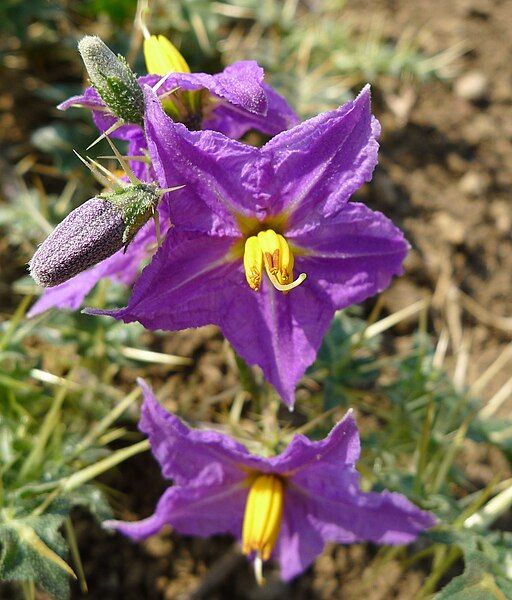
pixel 445 177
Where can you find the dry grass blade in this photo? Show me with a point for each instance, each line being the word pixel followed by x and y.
pixel 150 356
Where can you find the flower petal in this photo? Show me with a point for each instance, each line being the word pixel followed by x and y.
pixel 280 333
pixel 299 543
pixel 341 513
pixel 241 84
pixel 210 165
pixel 203 510
pixel 230 121
pixel 185 453
pixel 352 255
pixel 341 447
pixel 323 161
pixel 184 285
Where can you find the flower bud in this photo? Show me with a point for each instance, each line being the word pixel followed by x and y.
pixel 113 79
pixel 93 232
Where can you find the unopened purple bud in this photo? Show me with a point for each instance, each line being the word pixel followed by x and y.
pixel 92 232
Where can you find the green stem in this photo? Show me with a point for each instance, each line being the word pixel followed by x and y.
pixel 28 590
pixel 75 553
pixel 423 444
pixel 442 562
pixel 247 380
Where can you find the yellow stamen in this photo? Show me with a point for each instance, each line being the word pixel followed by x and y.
pixel 163 57
pixel 263 516
pixel 271 250
pixel 253 262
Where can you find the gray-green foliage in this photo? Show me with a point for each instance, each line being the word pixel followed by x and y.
pixel 419 448
pixel 53 442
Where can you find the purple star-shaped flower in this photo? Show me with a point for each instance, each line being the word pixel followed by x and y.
pixel 240 205
pixel 315 483
pixel 239 100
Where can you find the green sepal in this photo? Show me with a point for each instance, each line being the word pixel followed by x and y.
pixel 123 96
pixel 137 204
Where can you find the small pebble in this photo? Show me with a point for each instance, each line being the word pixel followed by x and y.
pixel 501 212
pixel 472 86
pixel 450 229
pixel 473 183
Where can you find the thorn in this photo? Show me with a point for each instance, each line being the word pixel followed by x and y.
pixel 158 233
pixel 116 181
pixel 125 166
pixel 110 130
pixel 169 92
pixel 101 178
pixel 171 189
pixel 103 175
pixel 159 84
pixel 129 157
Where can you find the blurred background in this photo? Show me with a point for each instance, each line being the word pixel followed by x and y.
pixel 441 77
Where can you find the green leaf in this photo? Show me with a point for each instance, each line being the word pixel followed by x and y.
pixel 478 582
pixel 32 549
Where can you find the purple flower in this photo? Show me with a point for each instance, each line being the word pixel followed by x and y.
pixel 238 100
pixel 249 218
pixel 231 102
pixel 284 507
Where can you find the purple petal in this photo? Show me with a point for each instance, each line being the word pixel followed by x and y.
pixel 341 513
pixel 234 123
pixel 299 543
pixel 352 255
pixel 103 118
pixel 184 285
pixel 184 454
pixel 210 165
pixel 280 333
pixel 69 294
pixel 89 99
pixel 340 448
pixel 240 84
pixel 323 161
pixel 202 510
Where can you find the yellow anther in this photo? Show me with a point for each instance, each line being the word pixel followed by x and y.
pixel 163 57
pixel 271 250
pixel 253 262
pixel 263 516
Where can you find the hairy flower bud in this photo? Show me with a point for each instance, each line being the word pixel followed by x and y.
pixel 93 232
pixel 113 79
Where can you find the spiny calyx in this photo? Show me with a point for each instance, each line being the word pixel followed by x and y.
pixel 270 250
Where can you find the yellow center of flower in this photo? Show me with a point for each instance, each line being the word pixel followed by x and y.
pixel 263 516
pixel 270 250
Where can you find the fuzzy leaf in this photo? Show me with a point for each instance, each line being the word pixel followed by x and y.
pixel 478 582
pixel 32 549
